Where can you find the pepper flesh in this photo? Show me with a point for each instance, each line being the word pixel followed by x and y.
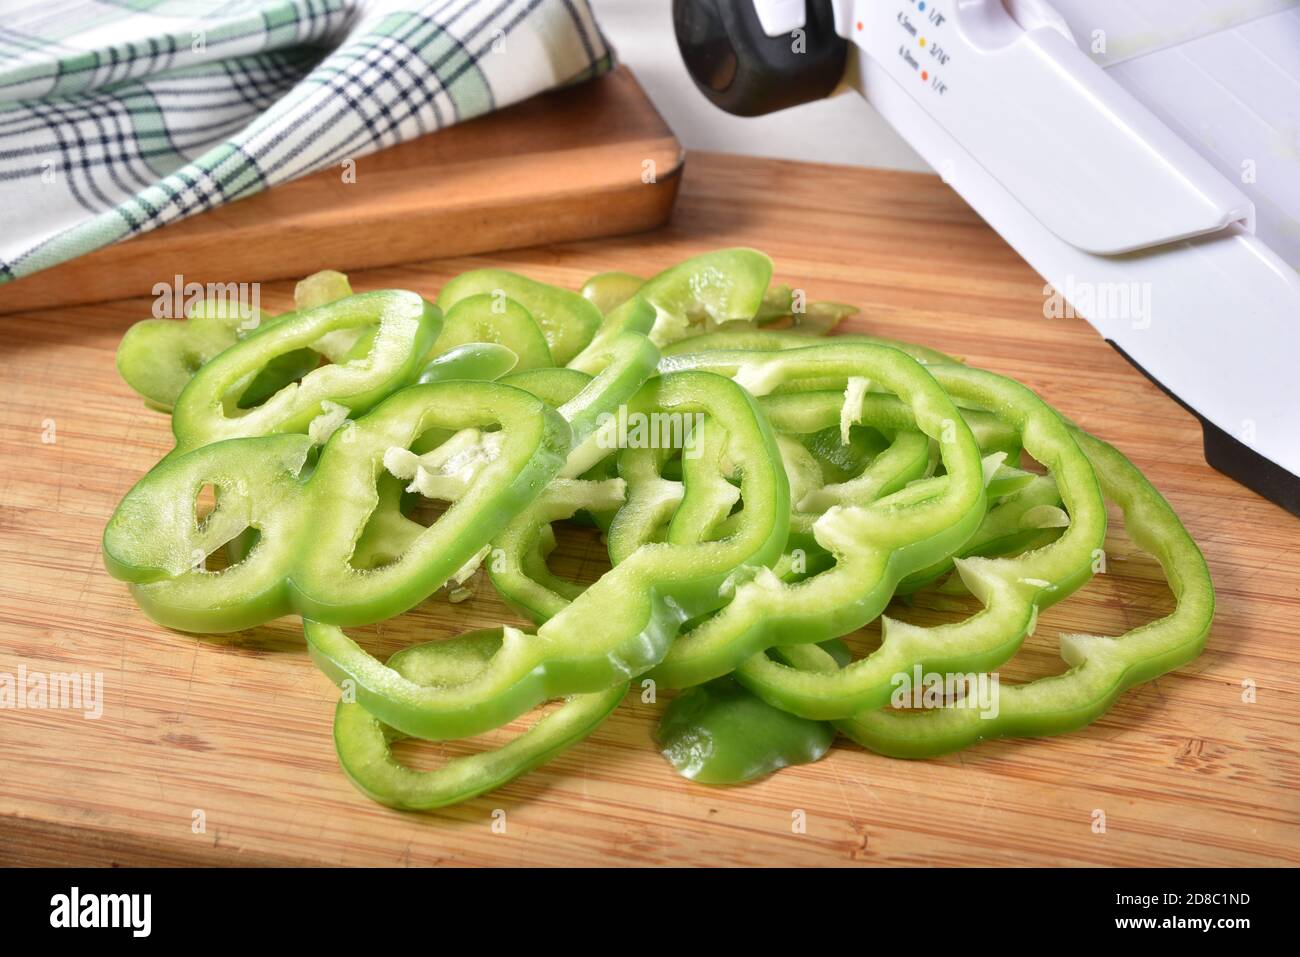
pixel 405 327
pixel 500 320
pixel 693 297
pixel 157 357
pixel 830 478
pixel 718 733
pixel 309 528
pixel 1011 589
pixel 580 650
pixel 875 546
pixel 303 559
pixel 567 320
pixel 609 290
pixel 1101 668
pixel 364 743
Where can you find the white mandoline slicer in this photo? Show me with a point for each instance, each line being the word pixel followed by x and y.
pixel 1142 155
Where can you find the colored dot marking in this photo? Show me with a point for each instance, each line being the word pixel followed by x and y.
pixel 922 41
pixel 859 24
pixel 925 75
pixel 921 5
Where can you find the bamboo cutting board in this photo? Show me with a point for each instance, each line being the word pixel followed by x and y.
pixel 235 734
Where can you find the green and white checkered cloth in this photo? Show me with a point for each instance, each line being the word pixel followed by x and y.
pixel 118 116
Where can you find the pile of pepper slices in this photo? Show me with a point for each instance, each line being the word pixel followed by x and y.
pixel 764 490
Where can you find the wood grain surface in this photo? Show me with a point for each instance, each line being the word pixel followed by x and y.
pixel 1184 770
pixel 569 164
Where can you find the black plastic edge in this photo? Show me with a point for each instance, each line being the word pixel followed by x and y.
pixel 1233 457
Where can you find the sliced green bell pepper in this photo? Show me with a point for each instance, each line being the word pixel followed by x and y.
pixel 780 306
pixel 518 567
pixel 405 329
pixel 772 340
pixel 583 649
pixel 157 357
pixel 1101 668
pixel 364 742
pixel 567 320
pixel 609 290
pixel 473 360
pixel 718 733
pixel 875 546
pixel 811 484
pixel 688 299
pixel 309 527
pixel 497 319
pixel 1013 590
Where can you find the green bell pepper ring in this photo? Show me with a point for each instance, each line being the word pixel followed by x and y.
pixel 405 329
pixel 482 502
pixel 875 546
pixel 158 357
pixel 367 560
pixel 364 742
pixel 583 648
pixel 869 473
pixel 473 360
pixel 566 319
pixel 815 318
pixel 1101 668
pixel 527 587
pixel 517 564
pixel 773 340
pixel 154 533
pixel 309 529
pixel 706 291
pixel 715 733
pixel 690 298
pixel 1012 590
pixel 1025 518
pixel 609 290
pixel 390 532
pixel 488 318
pixel 871 466
pixel 800 419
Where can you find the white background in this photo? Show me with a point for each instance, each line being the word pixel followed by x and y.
pixel 843 129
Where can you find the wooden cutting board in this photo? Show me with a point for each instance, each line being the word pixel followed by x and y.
pixel 592 160
pixel 235 733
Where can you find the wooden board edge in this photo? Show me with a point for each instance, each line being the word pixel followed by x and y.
pixel 26 842
pixel 625 205
pixel 420 236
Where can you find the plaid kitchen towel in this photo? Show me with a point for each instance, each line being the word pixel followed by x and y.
pixel 118 116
